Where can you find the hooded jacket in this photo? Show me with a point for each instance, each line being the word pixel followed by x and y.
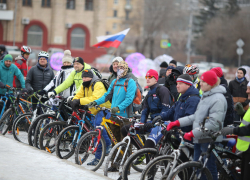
pixel 213 105
pixel 74 78
pixel 86 95
pixel 4 53
pixel 21 63
pixel 114 76
pixel 120 98
pixel 185 106
pixel 38 77
pixel 7 76
pixel 59 79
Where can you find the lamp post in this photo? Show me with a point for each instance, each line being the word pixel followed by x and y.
pixel 128 9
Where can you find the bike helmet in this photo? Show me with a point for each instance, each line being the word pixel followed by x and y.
pixel 43 54
pixel 191 69
pixel 25 49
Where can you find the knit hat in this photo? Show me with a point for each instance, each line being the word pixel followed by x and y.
pixel 153 73
pixel 117 59
pixel 164 64
pixel 79 59
pixel 218 71
pixel 162 72
pixel 185 78
pixel 8 57
pixel 170 67
pixel 67 57
pixel 173 62
pixel 87 73
pixel 209 77
pixel 244 70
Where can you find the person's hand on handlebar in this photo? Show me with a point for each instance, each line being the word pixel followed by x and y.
pixel 115 110
pixel 41 92
pixel 75 104
pixel 173 124
pixel 91 104
pixel 51 94
pixel 146 127
pixel 227 130
pixel 188 136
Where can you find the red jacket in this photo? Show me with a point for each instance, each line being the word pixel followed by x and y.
pixel 20 62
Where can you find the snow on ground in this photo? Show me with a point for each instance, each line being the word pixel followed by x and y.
pixel 23 162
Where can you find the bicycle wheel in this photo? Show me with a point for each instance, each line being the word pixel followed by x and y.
pixel 66 142
pixel 84 149
pixel 191 166
pixel 21 126
pixel 158 166
pixel 6 120
pixel 49 135
pixel 146 153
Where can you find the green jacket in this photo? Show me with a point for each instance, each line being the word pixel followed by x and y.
pixel 74 77
pixel 114 76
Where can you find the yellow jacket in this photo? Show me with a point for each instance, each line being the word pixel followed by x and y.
pixel 90 96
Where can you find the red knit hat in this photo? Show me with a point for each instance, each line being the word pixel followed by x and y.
pixel 153 73
pixel 209 77
pixel 218 71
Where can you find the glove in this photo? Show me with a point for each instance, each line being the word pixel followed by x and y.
pixel 156 119
pixel 24 91
pixel 239 108
pixel 75 104
pixel 114 110
pixel 41 92
pixel 167 134
pixel 69 99
pixel 227 130
pixel 50 94
pixel 171 79
pixel 189 136
pixel 146 127
pixel 91 104
pixel 2 85
pixel 173 124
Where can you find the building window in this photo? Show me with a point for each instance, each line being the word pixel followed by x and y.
pixel 27 3
pixel 77 38
pixel 115 1
pixel 35 36
pixel 3 1
pixel 89 5
pixel 70 4
pixel 45 3
pixel 114 25
pixel 115 13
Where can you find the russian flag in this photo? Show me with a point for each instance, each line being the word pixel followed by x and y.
pixel 111 40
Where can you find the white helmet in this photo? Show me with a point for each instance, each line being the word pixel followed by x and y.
pixel 118 59
pixel 43 54
pixel 25 49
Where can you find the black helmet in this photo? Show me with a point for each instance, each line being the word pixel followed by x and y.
pixel 2 47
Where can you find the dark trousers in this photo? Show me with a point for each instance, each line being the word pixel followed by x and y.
pixel 245 166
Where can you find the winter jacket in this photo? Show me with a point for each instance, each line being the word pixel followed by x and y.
pixel 161 81
pixel 74 78
pixel 155 105
pixel 86 95
pixel 223 81
pixel 59 79
pixel 238 91
pixel 21 63
pixel 38 77
pixel 185 106
pixel 7 76
pixel 213 105
pixel 2 56
pixel 120 98
pixel 114 76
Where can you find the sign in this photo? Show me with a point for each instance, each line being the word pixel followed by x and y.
pixel 56 61
pixel 240 43
pixel 164 44
pixel 239 51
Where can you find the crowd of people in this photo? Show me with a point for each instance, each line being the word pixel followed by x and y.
pixel 175 94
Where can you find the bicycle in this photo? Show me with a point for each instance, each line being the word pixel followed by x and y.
pixel 62 136
pixel 199 169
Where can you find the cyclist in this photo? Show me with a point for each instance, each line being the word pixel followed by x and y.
pixel 212 105
pixel 39 76
pixel 92 89
pixel 3 51
pixel 21 63
pixel 61 75
pixel 75 77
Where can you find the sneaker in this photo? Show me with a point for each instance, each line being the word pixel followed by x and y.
pixel 112 169
pixel 94 162
pixel 139 160
pixel 108 149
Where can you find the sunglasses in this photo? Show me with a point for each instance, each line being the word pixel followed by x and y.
pixel 149 77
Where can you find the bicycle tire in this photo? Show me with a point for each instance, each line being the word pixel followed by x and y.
pixel 130 160
pixel 19 123
pixel 51 130
pixel 151 167
pixel 192 165
pixel 84 150
pixel 5 123
pixel 32 128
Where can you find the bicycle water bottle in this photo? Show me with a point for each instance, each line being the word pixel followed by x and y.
pixel 184 148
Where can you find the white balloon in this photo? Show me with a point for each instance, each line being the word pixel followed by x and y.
pixel 144 65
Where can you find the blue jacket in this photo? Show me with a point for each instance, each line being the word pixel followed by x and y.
pixel 120 98
pixel 7 76
pixel 185 106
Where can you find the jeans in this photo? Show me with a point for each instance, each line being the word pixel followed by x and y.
pixel 211 165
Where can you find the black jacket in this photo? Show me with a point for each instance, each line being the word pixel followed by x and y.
pixel 161 81
pixel 38 78
pixel 223 81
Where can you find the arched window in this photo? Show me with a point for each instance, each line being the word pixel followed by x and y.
pixel 77 38
pixel 35 36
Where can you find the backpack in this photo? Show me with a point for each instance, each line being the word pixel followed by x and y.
pixel 97 72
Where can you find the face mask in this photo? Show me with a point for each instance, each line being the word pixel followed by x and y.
pixel 120 72
pixel 86 84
